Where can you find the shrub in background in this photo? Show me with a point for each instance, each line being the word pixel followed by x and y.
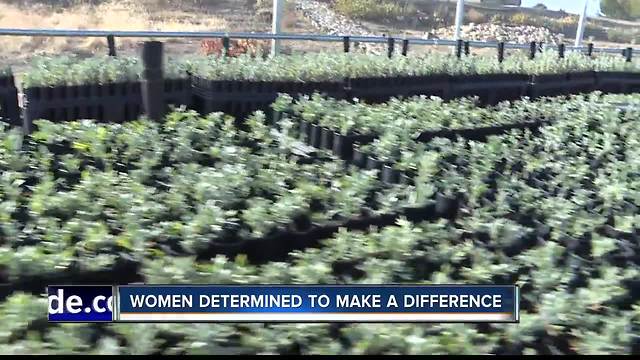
pixel 374 9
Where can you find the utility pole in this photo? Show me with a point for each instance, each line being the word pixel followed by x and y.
pixel 459 19
pixel 276 28
pixel 583 19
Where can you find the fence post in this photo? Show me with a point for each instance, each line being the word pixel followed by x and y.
pixel 590 49
pixel 346 43
pixel 459 44
pixel 501 51
pixel 111 43
pixel 629 54
pixel 390 46
pixel 226 44
pixel 467 48
pixel 152 80
pixel 533 48
pixel 561 51
pixel 405 47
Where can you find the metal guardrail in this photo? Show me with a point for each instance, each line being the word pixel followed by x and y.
pixel 282 36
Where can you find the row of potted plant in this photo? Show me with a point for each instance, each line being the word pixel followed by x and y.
pixel 390 131
pixel 310 68
pixel 89 195
pixel 319 67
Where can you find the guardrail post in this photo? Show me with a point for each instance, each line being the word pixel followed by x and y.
pixel 561 51
pixel 532 50
pixel 459 44
pixel 629 54
pixel 590 49
pixel 346 43
pixel 152 80
pixel 467 48
pixel 226 45
pixel 500 51
pixel 111 43
pixel 390 46
pixel 405 47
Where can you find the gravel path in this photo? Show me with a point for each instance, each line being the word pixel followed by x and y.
pixel 328 21
pixel 325 20
pixel 493 32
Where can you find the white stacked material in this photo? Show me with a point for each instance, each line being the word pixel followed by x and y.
pixel 496 32
pixel 332 23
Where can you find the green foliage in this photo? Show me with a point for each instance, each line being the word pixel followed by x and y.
pixel 621 9
pixel 53 71
pixel 71 70
pixel 624 36
pixel 335 67
pixel 530 205
pixel 375 9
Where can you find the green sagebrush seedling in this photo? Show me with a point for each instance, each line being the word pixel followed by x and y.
pixel 72 70
pixel 554 212
pixel 310 67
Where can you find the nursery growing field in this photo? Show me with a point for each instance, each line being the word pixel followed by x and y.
pixel 552 208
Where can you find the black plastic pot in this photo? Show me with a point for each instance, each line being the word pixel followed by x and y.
pixel 315 135
pixel 123 271
pixel 9 109
pixel 490 88
pixel 342 148
pixel 381 89
pixel 406 178
pixel 326 139
pixel 305 130
pixel 617 82
pixel 447 206
pixel 549 85
pixel 421 213
pixel 359 158
pixel 582 82
pixel 301 223
pixel 347 268
pixel 519 243
pixel 373 163
pixel 343 145
pixel 364 222
pixel 390 175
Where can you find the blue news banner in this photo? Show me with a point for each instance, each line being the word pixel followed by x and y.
pixel 284 303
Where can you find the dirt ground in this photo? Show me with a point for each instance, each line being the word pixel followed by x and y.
pixel 159 15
